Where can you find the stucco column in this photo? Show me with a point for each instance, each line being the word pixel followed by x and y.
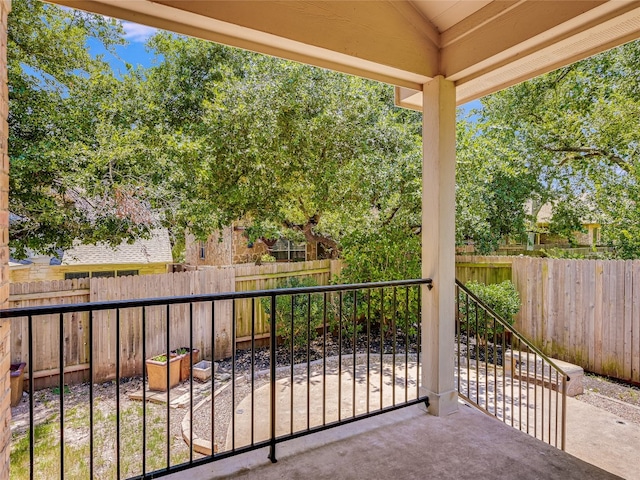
pixel 438 244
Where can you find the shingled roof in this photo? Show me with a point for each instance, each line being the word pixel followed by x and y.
pixel 156 249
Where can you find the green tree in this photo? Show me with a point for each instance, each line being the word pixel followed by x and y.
pixel 59 126
pixel 578 129
pixel 313 153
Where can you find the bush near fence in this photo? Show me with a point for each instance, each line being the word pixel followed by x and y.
pixel 580 311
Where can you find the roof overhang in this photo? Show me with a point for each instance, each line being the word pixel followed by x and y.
pixel 481 45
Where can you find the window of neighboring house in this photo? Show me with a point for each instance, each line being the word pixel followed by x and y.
pixel 74 275
pixel 288 251
pixel 595 239
pixel 108 274
pixel 203 251
pixel 127 273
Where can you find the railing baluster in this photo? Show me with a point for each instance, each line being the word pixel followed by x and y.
pixel 477 375
pixel 542 395
pixel 513 372
pixel 535 395
pixel 394 312
pixel 61 384
pixel 458 330
pixel 550 389
pixel 32 429
pixel 527 390
pixel 486 359
pixel 118 393
pixel 168 339
pixel 355 329
pixel 406 345
pixel 504 377
pixel 253 364
pixel 495 369
pixel 324 358
pixel 419 340
pixel 381 345
pixel 213 378
pixel 519 387
pixel 340 357
pixel 233 376
pixel 91 439
pixel 292 361
pixel 191 383
pixel 308 360
pixel 368 345
pixel 144 392
pixel 564 412
pixel 272 367
pixel 467 323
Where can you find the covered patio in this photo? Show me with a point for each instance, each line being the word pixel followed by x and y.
pixel 409 444
pixel 438 54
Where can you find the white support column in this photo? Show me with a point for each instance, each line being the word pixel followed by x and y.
pixel 438 244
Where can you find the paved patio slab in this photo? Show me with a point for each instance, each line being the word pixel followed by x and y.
pixel 409 444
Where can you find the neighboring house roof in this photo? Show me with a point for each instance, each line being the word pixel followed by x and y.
pixel 546 213
pixel 156 249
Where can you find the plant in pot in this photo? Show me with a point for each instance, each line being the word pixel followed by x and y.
pixel 157 372
pixel 186 360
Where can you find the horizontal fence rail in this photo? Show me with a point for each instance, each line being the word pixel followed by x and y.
pixel 504 375
pixel 335 354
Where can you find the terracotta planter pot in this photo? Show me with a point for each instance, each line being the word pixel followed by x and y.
pixel 157 373
pixel 17 382
pixel 185 365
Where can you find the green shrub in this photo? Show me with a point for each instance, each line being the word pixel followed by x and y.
pixel 306 317
pixel 502 298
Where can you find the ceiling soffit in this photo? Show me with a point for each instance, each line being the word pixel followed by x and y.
pixel 481 45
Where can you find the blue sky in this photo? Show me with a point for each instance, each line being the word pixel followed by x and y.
pixel 133 53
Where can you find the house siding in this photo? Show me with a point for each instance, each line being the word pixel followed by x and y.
pixel 43 272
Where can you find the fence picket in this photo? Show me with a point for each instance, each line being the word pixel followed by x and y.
pixel 78 344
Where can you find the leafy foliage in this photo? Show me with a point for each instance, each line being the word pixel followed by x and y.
pixel 62 143
pixel 576 132
pixel 502 298
pixel 297 317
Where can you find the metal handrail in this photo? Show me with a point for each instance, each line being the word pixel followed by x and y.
pixel 517 386
pixel 209 297
pixel 509 327
pixel 392 307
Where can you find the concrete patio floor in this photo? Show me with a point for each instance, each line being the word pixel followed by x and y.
pixel 409 443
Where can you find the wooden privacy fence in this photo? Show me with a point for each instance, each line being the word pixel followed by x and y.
pixel 46 339
pixel 76 326
pixel 486 270
pixel 264 277
pixel 583 311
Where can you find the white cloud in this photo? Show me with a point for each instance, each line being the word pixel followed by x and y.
pixel 137 33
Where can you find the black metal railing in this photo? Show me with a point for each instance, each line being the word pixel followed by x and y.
pixel 504 375
pixel 337 354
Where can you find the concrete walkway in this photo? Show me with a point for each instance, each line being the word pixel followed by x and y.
pixel 412 444
pixel 604 439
